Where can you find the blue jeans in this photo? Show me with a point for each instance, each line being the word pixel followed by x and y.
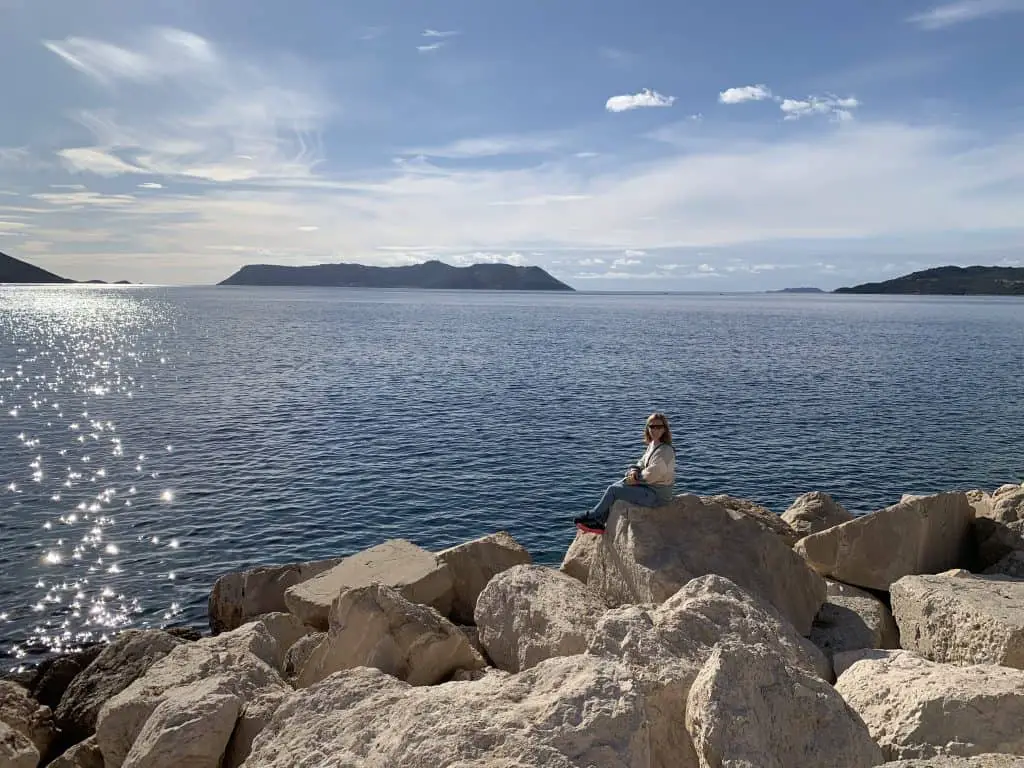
pixel 641 495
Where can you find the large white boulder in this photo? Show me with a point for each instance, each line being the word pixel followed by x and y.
pixel 920 535
pixel 760 514
pixel 376 627
pixel 529 613
pixel 961 619
pixel 564 713
pixel 191 726
pixel 580 554
pixel 748 707
pixel 239 597
pixel 815 512
pixel 648 554
pixel 475 563
pixel 242 656
pixel 119 664
pixel 397 563
pixel 917 708
pixel 666 645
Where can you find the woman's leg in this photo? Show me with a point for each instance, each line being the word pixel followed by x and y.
pixel 634 494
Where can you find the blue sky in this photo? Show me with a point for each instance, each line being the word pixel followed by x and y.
pixel 726 145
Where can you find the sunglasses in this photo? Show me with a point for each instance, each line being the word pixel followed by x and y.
pixel 655 426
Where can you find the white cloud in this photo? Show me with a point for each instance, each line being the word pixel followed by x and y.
pixel 165 53
pixel 646 98
pixel 840 109
pixel 439 33
pixel 490 146
pixel 200 115
pixel 483 257
pixel 150 185
pixel 431 47
pixel 745 93
pixel 950 14
pixel 632 254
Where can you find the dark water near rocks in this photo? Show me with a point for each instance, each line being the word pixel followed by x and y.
pixel 154 438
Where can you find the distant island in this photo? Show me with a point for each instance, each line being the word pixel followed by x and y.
pixel 798 290
pixel 431 274
pixel 14 270
pixel 951 281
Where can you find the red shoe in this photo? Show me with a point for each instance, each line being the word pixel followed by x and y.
pixel 590 526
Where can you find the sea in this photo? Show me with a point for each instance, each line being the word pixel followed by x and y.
pixel 154 438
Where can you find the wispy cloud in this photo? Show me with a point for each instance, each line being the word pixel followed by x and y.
pixel 203 115
pixel 150 185
pixel 440 33
pixel 839 109
pixel 950 14
pixel 869 180
pixel 490 146
pixel 744 93
pixel 430 47
pixel 646 98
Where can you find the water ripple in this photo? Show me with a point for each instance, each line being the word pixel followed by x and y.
pixel 151 439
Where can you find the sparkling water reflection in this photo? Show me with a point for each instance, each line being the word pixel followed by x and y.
pixel 153 438
pixel 77 349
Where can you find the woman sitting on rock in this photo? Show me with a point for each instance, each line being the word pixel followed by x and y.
pixel 647 483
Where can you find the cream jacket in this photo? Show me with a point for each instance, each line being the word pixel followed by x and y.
pixel 658 464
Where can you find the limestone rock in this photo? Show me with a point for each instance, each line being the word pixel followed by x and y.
pixel 815 512
pixel 648 554
pixel 238 598
pixel 961 620
pixel 981 761
pixel 994 540
pixel 530 613
pixel 851 619
pixel 375 626
pixel 1008 507
pixel 916 708
pixel 85 754
pixel 1012 565
pixel 762 515
pixel 580 554
pixel 24 716
pixel 191 726
pixel 286 631
pixel 1007 488
pixel 397 563
pixel 256 713
pixel 118 665
pixel 475 563
pixel 563 713
pixel 981 502
pixel 16 749
pixel 242 656
pixel 747 707
pixel 921 535
pixel 55 674
pixel 298 655
pixel 666 645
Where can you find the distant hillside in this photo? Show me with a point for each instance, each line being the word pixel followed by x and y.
pixel 954 281
pixel 798 290
pixel 13 270
pixel 432 274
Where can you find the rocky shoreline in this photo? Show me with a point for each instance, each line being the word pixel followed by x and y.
pixel 705 633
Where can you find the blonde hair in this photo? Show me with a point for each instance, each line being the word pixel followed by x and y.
pixel 666 436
